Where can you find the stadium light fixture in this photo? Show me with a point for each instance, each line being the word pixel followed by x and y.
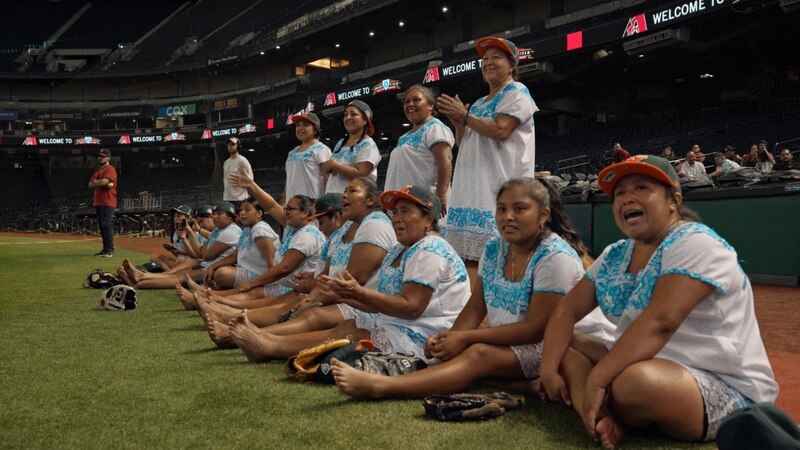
pixel 444 9
pixel 262 52
pixel 406 124
pixel 337 45
pixel 277 47
pixel 371 33
pixel 401 24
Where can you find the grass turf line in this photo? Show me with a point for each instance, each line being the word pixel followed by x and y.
pixel 77 377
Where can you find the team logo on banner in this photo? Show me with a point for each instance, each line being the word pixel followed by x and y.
pixel 206 134
pixel 30 140
pixel 636 24
pixel 525 53
pixel 386 86
pixel 124 140
pixel 88 140
pixel 431 75
pixel 330 99
pixel 247 129
pixel 175 137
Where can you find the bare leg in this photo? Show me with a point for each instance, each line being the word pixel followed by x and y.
pixel 260 346
pixel 478 361
pixel 321 318
pixel 218 312
pixel 192 285
pixel 225 277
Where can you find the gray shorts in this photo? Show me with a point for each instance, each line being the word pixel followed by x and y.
pixel 530 359
pixel 719 400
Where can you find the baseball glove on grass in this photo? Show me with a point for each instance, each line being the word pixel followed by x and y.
pixel 457 407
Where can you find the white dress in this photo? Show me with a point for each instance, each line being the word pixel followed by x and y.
pixel 483 164
pixel 412 161
pixel 307 240
pixel 720 335
pixel 228 236
pixel 430 262
pixel 249 257
pixel 364 151
pixel 303 176
pixel 375 229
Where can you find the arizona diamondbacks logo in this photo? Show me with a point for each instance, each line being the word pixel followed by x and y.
pixel 636 24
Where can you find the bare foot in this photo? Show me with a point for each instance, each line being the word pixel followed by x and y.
pixel 193 286
pixel 133 272
pixel 222 313
pixel 218 332
pixel 255 344
pixel 186 297
pixel 609 431
pixel 125 278
pixel 356 383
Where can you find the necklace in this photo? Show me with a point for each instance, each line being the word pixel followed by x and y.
pixel 518 276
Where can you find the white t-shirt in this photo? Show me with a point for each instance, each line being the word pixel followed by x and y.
pixel 238 164
pixel 693 170
pixel 412 161
pixel 364 151
pixel 307 240
pixel 720 335
pixel 483 164
pixel 228 236
pixel 178 243
pixel 375 229
pixel 249 256
pixel 433 263
pixel 303 176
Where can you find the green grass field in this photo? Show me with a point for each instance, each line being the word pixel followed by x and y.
pixel 76 377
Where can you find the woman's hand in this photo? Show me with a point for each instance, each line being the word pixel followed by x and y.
pixel 240 180
pixel 594 406
pixel 452 107
pixel 443 201
pixel 449 344
pixel 344 287
pixel 328 166
pixel 304 282
pixel 552 387
pixel 430 343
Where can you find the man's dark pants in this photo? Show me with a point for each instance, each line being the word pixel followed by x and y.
pixel 105 218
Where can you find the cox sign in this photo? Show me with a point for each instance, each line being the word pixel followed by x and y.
pixel 177 110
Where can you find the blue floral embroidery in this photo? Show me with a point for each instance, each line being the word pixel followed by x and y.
pixel 482 108
pixel 472 220
pixel 390 279
pixel 308 155
pixel 245 239
pixel 292 233
pixel 618 291
pixel 414 138
pixel 340 250
pixel 514 297
pixel 415 337
pixel 347 155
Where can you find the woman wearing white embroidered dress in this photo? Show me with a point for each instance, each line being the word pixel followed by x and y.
pixel 687 349
pixel 254 254
pixel 354 156
pixel 523 274
pixel 424 155
pixel 304 163
pixel 496 142
pixel 422 287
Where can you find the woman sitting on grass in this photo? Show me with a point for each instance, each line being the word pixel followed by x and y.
pixel 523 274
pixel 358 247
pixel 255 252
pixel 687 349
pixel 299 252
pixel 221 243
pixel 422 286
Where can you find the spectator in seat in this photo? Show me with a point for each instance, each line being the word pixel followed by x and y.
pixel 764 164
pixel 619 154
pixel 699 156
pixel 723 165
pixel 750 158
pixel 691 167
pixel 786 161
pixel 730 154
pixel 762 146
pixel 668 154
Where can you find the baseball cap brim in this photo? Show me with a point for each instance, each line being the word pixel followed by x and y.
pixel 608 178
pixel 301 118
pixel 389 199
pixel 488 42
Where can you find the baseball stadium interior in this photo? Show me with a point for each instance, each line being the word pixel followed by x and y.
pixel 163 83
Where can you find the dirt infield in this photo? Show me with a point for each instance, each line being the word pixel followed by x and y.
pixel 777 308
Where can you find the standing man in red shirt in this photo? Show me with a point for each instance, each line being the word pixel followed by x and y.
pixel 104 185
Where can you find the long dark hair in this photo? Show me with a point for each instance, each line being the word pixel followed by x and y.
pixel 543 193
pixel 373 191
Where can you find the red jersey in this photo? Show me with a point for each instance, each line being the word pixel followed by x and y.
pixel 104 196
